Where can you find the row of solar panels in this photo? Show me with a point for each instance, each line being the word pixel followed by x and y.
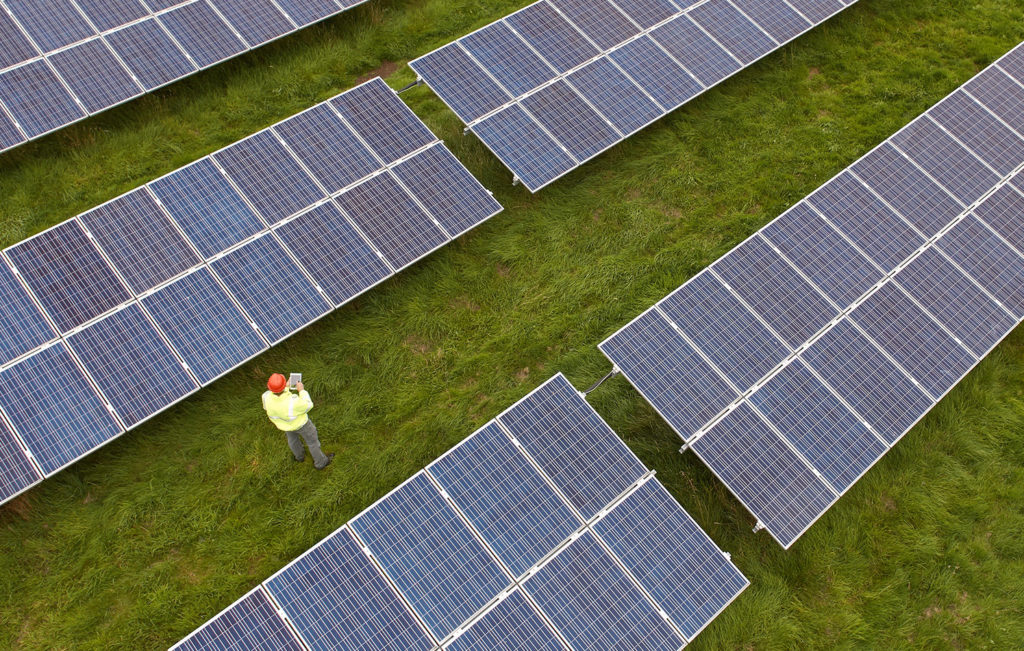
pixel 62 60
pixel 114 315
pixel 540 531
pixel 793 363
pixel 555 84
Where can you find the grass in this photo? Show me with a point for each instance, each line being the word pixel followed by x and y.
pixel 142 541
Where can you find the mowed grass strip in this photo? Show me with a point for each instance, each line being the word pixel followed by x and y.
pixel 144 540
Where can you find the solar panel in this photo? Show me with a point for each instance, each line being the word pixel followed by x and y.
pixel 887 285
pixel 16 471
pixel 431 564
pixel 627 63
pixel 220 281
pixel 98 53
pixel 251 623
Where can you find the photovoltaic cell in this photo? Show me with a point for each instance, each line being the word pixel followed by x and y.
pixel 823 255
pixel 913 339
pixel 595 605
pixel 269 176
pixel 16 48
pixel 656 72
pixel 251 624
pixel 333 252
pixel 647 13
pixel 108 14
pixel 280 302
pixel 202 32
pixel 725 331
pixel 439 566
pixel 16 472
pixel 95 75
pixel 505 498
pixel 999 93
pixel 258 21
pixel 207 208
pixel 150 54
pixel 733 30
pixel 463 84
pixel 704 58
pixel 1002 212
pixel 598 19
pixel 516 138
pixel 570 120
pixel 304 12
pixel 512 625
pixel 390 218
pixel 1013 64
pixel 774 290
pixel 614 95
pixel 671 557
pixel 386 124
pixel 582 456
pixel 37 99
pixel 65 418
pixel 508 58
pixel 203 325
pixel 552 36
pixel 448 191
pixel 9 133
pixel 22 326
pixel 132 364
pixel 997 267
pixel 955 301
pixel 67 275
pixel 889 400
pixel 142 243
pixel 51 24
pixel 771 481
pixel 817 10
pixel 775 17
pixel 982 133
pixel 337 599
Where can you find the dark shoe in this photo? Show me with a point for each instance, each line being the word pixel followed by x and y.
pixel 298 460
pixel 330 457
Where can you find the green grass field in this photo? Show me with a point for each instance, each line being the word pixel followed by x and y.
pixel 144 540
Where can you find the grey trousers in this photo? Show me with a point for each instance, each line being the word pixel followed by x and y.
pixel 307 433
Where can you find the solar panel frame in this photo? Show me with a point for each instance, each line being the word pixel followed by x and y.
pixel 979 131
pixel 23 325
pixel 227 629
pixel 95 75
pixel 17 46
pixel 17 472
pixel 1000 94
pixel 571 120
pixel 614 95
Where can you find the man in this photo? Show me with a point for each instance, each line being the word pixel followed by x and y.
pixel 288 412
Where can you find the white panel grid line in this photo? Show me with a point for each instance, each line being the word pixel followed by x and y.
pixel 988 110
pixel 755 23
pixel 258 589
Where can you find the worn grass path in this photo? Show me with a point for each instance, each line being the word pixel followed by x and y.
pixel 142 541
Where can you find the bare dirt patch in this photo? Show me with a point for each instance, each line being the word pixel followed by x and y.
pixel 384 70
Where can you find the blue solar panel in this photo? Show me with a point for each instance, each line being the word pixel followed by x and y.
pixel 527 149
pixel 512 625
pixel 67 275
pixel 598 19
pixel 647 13
pixel 203 325
pixel 258 21
pixel 10 135
pixel 945 159
pixel 883 394
pixel 334 253
pixel 913 339
pixel 95 75
pixel 505 498
pixel 955 301
pixel 508 58
pixel 108 14
pixel 443 571
pixel 304 12
pixel 999 93
pixel 447 190
pixel 826 433
pixel 1013 64
pixel 775 291
pixel 50 23
pixel 724 330
pixel 132 364
pixel 594 605
pixel 776 17
pixel 552 36
pixel 280 302
pixel 704 58
pixel 822 254
pixel 390 218
pixel 656 72
pixel 142 243
pixel 16 48
pixel 269 176
pixel 463 84
pixel 202 32
pixel 1002 213
pixel 16 472
pixel 582 456
pixel 817 10
pixel 251 624
pixel 683 387
pixel 917 198
pixel 570 120
pixel 615 95
pixel 150 53
pixel 671 557
pixel 870 224
pixel 337 599
pixel 65 418
pixel 996 267
pixel 771 481
pixel 979 131
pixel 206 207
pixel 37 99
pixel 733 30
pixel 22 325
pixel 386 124
pixel 327 147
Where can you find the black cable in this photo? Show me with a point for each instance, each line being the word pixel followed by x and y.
pixel 409 86
pixel 602 380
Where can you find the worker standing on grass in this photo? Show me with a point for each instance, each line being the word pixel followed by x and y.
pixel 289 413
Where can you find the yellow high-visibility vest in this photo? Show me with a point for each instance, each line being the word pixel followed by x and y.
pixel 287 410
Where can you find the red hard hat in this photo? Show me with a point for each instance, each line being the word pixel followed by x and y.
pixel 277 383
